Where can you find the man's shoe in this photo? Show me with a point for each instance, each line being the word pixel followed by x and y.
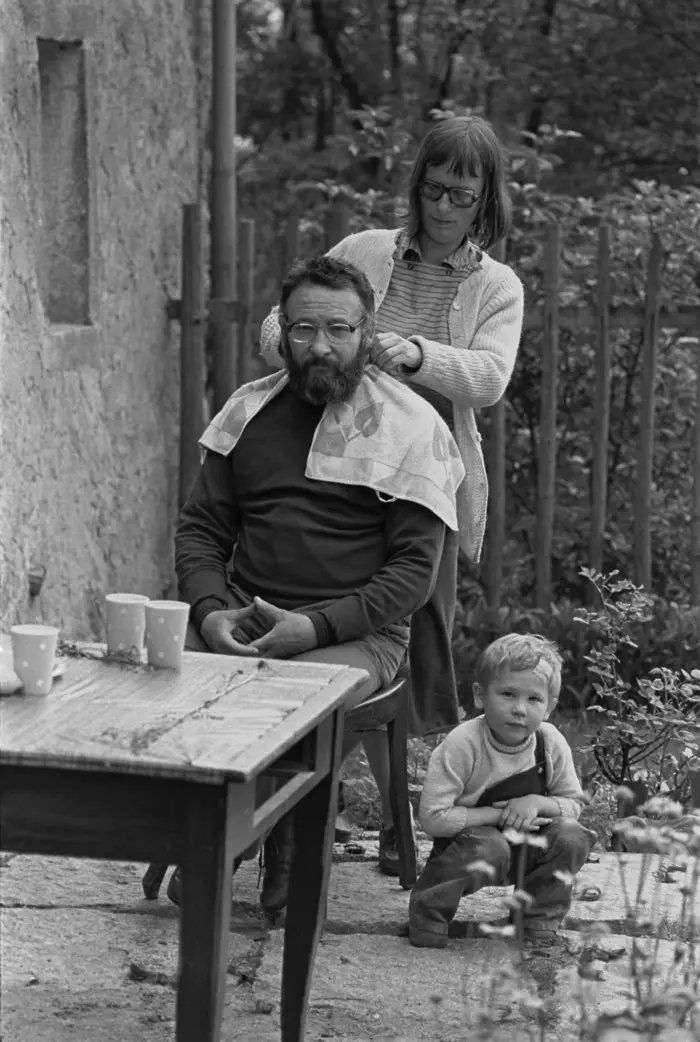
pixel 278 852
pixel 388 851
pixel 343 828
pixel 174 890
pixel 388 847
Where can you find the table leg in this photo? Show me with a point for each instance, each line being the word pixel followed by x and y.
pixel 206 869
pixel 314 827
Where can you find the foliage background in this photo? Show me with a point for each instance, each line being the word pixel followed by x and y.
pixel 598 103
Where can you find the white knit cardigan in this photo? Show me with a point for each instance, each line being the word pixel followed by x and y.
pixel 473 370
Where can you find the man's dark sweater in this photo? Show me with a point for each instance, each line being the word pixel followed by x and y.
pixel 301 541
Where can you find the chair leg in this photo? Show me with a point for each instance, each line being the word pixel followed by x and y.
pixel 397 731
pixel 152 879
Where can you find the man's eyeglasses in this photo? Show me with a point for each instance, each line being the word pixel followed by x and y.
pixel 462 198
pixel 337 332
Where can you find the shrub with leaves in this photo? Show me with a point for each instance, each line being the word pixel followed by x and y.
pixel 670 639
pixel 649 731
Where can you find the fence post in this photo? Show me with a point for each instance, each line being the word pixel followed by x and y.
pixel 337 223
pixel 223 200
pixel 645 455
pixel 601 409
pixel 246 298
pixel 496 453
pixel 695 529
pixel 547 455
pixel 192 332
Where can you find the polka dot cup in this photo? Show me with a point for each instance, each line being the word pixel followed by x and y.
pixel 33 652
pixel 126 624
pixel 166 626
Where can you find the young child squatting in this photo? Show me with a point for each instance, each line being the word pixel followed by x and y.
pixel 506 769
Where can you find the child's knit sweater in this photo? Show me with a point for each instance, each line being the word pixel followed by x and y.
pixel 470 760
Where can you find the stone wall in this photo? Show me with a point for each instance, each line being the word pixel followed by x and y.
pixel 98 152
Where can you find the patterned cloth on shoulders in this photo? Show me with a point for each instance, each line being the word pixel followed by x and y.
pixel 384 437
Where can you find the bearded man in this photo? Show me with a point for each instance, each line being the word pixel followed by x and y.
pixel 327 487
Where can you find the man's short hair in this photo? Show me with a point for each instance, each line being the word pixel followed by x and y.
pixel 331 273
pixel 521 651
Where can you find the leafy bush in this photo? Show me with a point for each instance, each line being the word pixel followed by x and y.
pixel 630 666
pixel 648 731
pixel 633 216
pixel 669 640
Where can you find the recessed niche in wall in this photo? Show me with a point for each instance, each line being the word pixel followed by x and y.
pixel 64 253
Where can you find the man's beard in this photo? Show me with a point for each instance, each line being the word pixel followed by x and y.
pixel 325 381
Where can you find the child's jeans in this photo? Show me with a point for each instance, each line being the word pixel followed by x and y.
pixel 447 876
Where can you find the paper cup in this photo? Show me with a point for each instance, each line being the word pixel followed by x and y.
pixel 126 624
pixel 33 652
pixel 166 626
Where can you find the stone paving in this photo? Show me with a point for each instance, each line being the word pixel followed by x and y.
pixel 84 956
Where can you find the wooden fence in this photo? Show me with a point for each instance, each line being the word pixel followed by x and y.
pixel 244 316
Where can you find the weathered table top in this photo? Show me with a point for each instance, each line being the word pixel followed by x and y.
pixel 220 717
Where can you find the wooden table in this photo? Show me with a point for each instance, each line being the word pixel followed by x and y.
pixel 132 763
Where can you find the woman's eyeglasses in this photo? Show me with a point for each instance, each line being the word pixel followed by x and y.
pixel 462 198
pixel 336 332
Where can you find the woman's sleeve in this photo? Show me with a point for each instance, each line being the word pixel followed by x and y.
pixel 270 329
pixel 270 339
pixel 478 376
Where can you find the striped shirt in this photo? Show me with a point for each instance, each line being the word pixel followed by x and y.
pixel 418 301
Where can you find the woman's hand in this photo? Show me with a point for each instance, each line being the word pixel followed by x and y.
pixel 390 351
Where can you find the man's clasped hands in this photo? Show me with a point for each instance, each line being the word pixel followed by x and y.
pixel 288 632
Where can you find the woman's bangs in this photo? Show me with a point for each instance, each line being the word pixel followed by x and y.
pixel 469 156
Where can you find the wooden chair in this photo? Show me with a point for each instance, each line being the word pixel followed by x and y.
pixel 388 707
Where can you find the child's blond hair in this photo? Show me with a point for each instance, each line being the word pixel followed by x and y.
pixel 520 651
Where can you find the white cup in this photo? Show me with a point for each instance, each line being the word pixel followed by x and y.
pixel 166 628
pixel 33 653
pixel 126 624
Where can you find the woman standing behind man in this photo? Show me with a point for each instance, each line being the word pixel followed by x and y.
pixel 449 319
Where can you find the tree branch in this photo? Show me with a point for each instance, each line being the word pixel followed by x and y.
pixel 545 31
pixel 661 28
pixel 445 82
pixel 330 45
pixel 419 47
pixel 394 48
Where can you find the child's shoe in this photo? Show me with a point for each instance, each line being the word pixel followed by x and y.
pixel 278 854
pixel 426 938
pixel 541 933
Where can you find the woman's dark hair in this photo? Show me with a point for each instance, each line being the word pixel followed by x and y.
pixel 332 273
pixel 468 145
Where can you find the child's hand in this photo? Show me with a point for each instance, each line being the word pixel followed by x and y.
pixel 519 813
pixel 540 823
